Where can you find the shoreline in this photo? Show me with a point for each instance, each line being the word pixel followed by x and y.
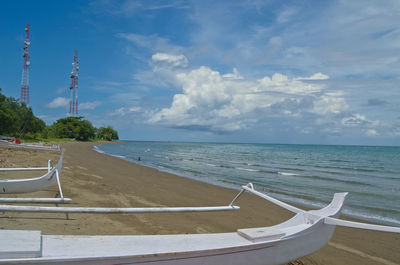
pixel 95 179
pixel 298 200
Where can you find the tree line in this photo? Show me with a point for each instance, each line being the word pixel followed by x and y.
pixel 17 120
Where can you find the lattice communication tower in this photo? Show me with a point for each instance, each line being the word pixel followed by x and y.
pixel 73 102
pixel 25 69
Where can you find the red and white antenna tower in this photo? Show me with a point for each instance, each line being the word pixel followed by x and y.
pixel 25 69
pixel 73 102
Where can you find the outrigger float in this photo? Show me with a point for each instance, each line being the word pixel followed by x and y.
pixel 305 233
pixel 27 185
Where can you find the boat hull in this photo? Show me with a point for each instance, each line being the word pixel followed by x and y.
pixel 11 186
pixel 227 248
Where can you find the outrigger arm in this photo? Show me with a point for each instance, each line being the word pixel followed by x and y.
pixel 382 228
pixel 327 220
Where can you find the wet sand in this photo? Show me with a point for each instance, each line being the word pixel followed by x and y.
pixel 96 180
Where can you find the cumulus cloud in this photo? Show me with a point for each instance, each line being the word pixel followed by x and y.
pixel 230 102
pixel 58 102
pixel 330 102
pixel 165 67
pixel 89 105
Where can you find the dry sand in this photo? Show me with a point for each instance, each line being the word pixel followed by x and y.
pixel 93 179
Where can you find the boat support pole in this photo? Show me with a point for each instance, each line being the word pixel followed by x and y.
pixel 339 222
pixel 12 208
pixel 60 192
pixel 249 188
pixel 24 168
pixel 236 197
pixel 59 185
pixel 35 200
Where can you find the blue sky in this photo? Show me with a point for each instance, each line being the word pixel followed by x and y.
pixel 318 72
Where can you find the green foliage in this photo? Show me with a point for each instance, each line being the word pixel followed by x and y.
pixel 17 119
pixel 106 133
pixel 72 127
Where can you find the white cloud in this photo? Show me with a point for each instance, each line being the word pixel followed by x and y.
pixel 316 76
pixel 61 102
pixel 230 102
pixel 129 8
pixel 152 43
pixel 371 132
pixel 89 105
pixel 123 111
pixel 330 102
pixel 355 120
pixel 234 75
pixel 165 59
pixel 58 103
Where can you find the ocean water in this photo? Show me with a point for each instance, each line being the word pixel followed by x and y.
pixel 306 175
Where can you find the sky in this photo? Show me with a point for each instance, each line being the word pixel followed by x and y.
pixel 296 72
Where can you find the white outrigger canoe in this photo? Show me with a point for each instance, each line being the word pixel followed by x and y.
pixel 27 185
pixel 54 147
pixel 305 233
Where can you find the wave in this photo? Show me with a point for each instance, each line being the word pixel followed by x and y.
pixel 291 168
pixel 357 169
pixel 371 217
pixel 247 169
pixel 98 150
pixel 287 173
pixel 123 157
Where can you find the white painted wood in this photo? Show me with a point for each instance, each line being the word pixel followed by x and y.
pixel 22 168
pixel 54 147
pixel 195 249
pixel 249 188
pixel 261 234
pixel 20 244
pixel 39 209
pixel 299 236
pixel 335 221
pixel 59 184
pixel 32 184
pixel 35 200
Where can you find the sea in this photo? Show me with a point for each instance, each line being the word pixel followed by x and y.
pixel 306 175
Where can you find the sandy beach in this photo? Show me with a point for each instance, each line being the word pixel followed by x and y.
pixel 97 180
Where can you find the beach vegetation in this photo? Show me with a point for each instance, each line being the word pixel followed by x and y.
pixel 72 127
pixel 106 133
pixel 17 120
